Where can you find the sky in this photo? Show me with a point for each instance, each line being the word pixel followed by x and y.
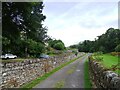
pixel 78 20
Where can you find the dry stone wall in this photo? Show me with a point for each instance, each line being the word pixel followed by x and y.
pixel 15 74
pixel 103 78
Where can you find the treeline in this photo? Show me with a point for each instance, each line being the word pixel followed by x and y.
pixel 23 33
pixel 107 42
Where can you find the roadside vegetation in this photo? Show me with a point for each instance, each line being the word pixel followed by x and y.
pixel 13 60
pixel 87 81
pixel 109 61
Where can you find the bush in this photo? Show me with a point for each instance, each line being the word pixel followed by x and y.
pixel 56 44
pixel 115 53
pixel 35 48
pixel 98 58
pixel 59 46
pixel 98 53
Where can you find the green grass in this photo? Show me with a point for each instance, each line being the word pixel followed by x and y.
pixel 87 82
pixel 109 60
pixel 51 54
pixel 13 60
pixel 33 83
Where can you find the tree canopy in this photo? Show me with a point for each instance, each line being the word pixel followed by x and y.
pixel 23 32
pixel 57 44
pixel 22 23
pixel 107 42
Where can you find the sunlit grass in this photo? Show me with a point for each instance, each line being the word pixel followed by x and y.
pixel 109 61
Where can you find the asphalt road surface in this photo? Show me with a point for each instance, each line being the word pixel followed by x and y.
pixel 71 76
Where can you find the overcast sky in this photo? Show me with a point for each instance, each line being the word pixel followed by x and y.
pixel 73 22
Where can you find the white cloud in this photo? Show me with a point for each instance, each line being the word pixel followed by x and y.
pixel 75 34
pixel 81 21
pixel 81 0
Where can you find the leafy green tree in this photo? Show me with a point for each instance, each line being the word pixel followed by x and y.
pixel 56 44
pixel 74 46
pixel 59 46
pixel 102 49
pixel 85 46
pixel 106 42
pixel 5 42
pixel 22 21
pixel 35 48
pixel 117 49
pixel 109 40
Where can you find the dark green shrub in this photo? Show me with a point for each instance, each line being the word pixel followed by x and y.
pixel 59 46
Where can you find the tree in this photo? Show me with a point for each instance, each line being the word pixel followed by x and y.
pixel 5 42
pixel 106 42
pixel 74 46
pixel 109 40
pixel 56 44
pixel 59 46
pixel 117 49
pixel 85 46
pixel 22 21
pixel 102 49
pixel 35 48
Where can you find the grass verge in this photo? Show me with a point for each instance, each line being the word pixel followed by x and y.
pixel 87 83
pixel 41 78
pixel 12 60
